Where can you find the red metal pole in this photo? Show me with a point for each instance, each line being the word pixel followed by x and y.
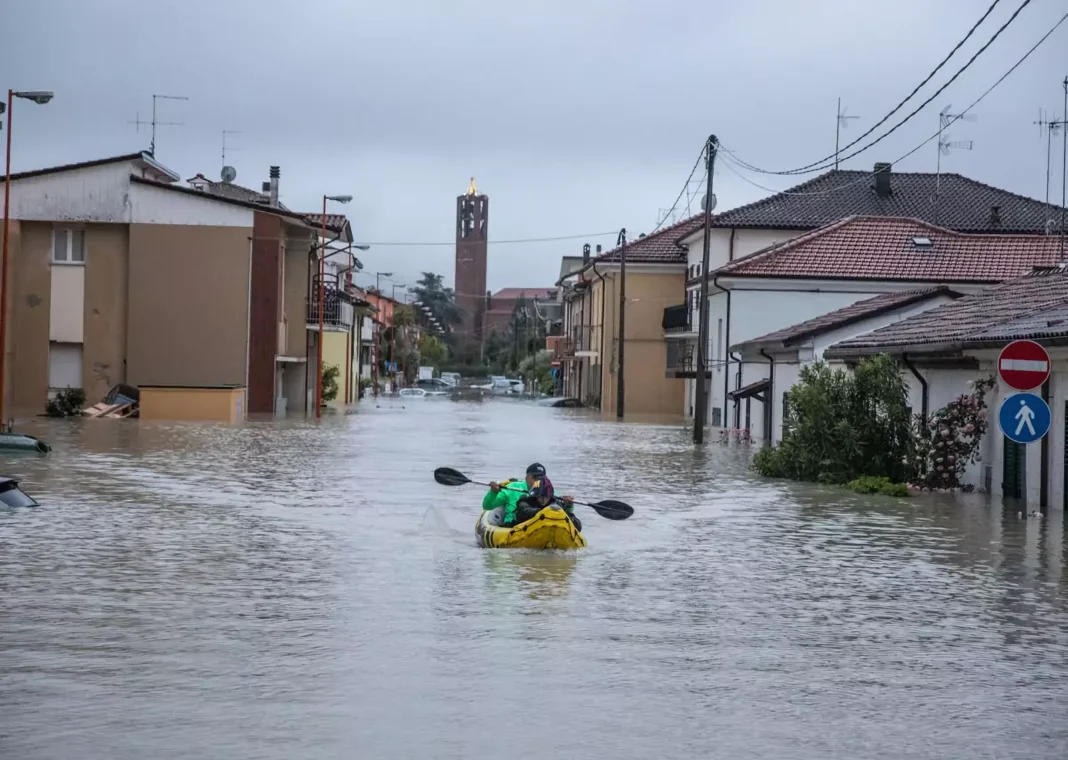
pixel 3 266
pixel 322 293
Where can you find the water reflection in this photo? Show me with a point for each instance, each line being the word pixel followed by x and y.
pixel 292 589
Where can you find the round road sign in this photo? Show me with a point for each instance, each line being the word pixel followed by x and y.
pixel 1023 365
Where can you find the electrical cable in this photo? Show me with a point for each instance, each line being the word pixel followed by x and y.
pixel 495 242
pixel 825 163
pixel 934 136
pixel 682 192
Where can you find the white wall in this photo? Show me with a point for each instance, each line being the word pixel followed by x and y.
pixel 746 241
pixel 155 205
pixel 93 194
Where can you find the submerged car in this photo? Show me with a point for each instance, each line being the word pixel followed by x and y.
pixel 13 496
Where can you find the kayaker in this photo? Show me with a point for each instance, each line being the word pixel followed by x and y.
pixel 539 494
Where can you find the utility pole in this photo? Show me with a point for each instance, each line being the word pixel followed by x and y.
pixel 621 241
pixel 701 402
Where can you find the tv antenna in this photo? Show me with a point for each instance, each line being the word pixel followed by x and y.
pixel 155 122
pixel 1051 127
pixel 226 132
pixel 945 145
pixel 840 122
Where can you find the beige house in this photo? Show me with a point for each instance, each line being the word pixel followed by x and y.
pixel 588 350
pixel 119 275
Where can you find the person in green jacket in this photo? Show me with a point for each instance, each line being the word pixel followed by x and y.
pixel 522 499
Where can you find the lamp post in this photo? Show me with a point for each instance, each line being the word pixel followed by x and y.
pixel 322 305
pixel 40 97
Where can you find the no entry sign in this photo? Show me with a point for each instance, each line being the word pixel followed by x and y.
pixel 1023 365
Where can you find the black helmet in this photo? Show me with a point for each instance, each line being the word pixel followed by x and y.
pixel 537 469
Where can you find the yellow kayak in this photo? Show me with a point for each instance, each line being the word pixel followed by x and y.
pixel 549 529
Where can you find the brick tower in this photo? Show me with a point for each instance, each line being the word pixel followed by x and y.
pixel 472 229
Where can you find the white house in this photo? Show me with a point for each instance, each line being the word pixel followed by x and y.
pixel 747 300
pixel 771 364
pixel 947 347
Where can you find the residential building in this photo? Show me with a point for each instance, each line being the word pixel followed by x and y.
pixel 816 278
pixel 656 272
pixel 771 364
pixel 946 348
pixel 120 275
pixel 501 305
pixel 950 202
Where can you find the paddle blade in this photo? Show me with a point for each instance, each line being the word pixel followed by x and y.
pixel 450 477
pixel 613 510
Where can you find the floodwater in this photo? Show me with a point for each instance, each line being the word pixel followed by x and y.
pixel 292 590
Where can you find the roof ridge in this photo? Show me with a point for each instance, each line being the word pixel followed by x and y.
pixel 643 238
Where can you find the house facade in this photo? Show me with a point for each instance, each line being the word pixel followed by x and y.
pixel 743 307
pixel 588 350
pixel 118 274
pixel 851 277
pixel 947 349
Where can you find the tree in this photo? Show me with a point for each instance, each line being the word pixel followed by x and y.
pixel 949 441
pixel 432 351
pixel 330 387
pixel 838 426
pixel 430 291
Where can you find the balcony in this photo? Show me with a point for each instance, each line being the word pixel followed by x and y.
pixel 682 363
pixel 337 312
pixel 676 322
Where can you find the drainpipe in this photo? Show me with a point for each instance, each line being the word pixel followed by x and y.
pixel 923 385
pixel 1043 495
pixel 769 404
pixel 248 330
pixel 604 297
pixel 726 342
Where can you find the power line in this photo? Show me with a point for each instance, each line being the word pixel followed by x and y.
pixel 497 242
pixel 825 163
pixel 682 192
pixel 955 118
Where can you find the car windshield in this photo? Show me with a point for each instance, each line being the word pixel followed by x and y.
pixel 13 497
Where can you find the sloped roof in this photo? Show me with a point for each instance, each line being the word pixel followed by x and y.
pixel 142 156
pixel 963 204
pixel 883 248
pixel 1034 306
pixel 531 293
pixel 857 312
pixel 334 222
pixel 660 247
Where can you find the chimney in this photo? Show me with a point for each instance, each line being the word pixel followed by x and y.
pixel 489 301
pixel 585 254
pixel 275 174
pixel 995 216
pixel 882 180
pixel 598 249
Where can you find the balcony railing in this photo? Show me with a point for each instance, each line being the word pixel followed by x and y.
pixel 337 305
pixel 683 363
pixel 677 320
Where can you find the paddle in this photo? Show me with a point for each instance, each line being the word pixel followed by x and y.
pixel 609 509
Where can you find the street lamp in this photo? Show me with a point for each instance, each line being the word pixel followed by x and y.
pixel 322 299
pixel 40 97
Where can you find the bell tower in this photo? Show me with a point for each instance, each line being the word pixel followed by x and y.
pixel 472 229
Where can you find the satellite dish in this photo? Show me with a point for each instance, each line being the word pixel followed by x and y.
pixel 704 202
pixel 229 174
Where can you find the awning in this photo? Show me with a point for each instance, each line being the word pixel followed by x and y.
pixel 753 390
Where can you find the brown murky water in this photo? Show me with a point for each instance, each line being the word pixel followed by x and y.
pixel 293 590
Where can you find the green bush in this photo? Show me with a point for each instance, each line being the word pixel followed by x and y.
pixel 330 387
pixel 868 484
pixel 841 425
pixel 67 403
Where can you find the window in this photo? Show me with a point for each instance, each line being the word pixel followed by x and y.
pixel 68 246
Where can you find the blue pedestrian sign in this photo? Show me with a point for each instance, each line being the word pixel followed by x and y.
pixel 1024 417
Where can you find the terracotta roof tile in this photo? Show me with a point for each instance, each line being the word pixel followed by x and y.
pixel 1034 306
pixel 964 204
pixel 886 249
pixel 334 222
pixel 660 247
pixel 853 313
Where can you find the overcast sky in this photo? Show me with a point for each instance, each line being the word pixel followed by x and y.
pixel 575 117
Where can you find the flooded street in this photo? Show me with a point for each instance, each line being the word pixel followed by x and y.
pixel 292 590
